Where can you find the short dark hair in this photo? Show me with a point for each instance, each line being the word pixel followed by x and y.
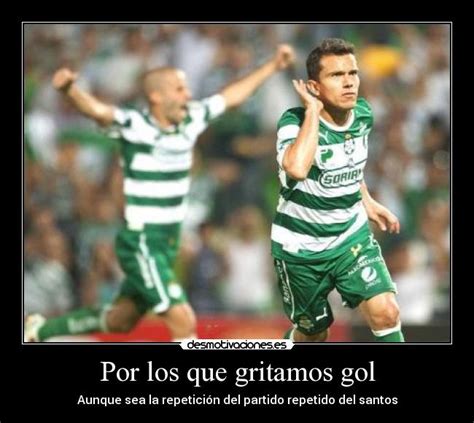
pixel 329 46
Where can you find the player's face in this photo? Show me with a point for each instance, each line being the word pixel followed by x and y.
pixel 339 82
pixel 175 95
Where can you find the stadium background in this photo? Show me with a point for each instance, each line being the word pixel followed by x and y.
pixel 72 178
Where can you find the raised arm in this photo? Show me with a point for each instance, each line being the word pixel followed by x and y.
pixel 377 213
pixel 64 81
pixel 237 92
pixel 299 156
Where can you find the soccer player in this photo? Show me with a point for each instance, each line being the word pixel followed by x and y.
pixel 156 152
pixel 321 237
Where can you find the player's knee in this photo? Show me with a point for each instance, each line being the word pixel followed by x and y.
pixel 189 326
pixel 181 321
pixel 120 326
pixel 387 317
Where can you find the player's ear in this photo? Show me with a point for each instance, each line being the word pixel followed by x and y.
pixel 154 97
pixel 313 87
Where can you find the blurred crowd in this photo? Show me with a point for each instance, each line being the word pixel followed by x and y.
pixel 73 184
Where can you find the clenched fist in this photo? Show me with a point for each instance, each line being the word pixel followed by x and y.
pixel 284 56
pixel 63 78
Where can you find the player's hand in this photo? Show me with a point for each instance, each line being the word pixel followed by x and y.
pixel 284 56
pixel 382 216
pixel 63 78
pixel 309 100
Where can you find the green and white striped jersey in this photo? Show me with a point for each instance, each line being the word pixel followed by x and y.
pixel 318 217
pixel 156 163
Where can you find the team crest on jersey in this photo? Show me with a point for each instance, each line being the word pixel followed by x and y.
pixel 349 144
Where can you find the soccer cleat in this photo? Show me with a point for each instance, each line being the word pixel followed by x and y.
pixel 32 326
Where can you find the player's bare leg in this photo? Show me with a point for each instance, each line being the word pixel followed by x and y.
pixel 383 316
pixel 181 322
pixel 122 316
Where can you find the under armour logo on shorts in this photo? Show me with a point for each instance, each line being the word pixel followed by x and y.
pixel 355 250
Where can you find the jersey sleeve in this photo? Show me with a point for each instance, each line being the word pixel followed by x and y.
pixel 214 106
pixel 203 111
pixel 123 119
pixel 288 129
pixel 365 112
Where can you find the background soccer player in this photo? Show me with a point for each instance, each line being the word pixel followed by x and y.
pixel 156 147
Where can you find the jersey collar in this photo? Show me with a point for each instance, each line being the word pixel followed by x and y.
pixel 172 129
pixel 336 128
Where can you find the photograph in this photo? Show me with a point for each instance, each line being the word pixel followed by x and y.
pixel 231 180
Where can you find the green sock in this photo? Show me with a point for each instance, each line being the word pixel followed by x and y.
pixel 396 336
pixel 84 320
pixel 288 334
